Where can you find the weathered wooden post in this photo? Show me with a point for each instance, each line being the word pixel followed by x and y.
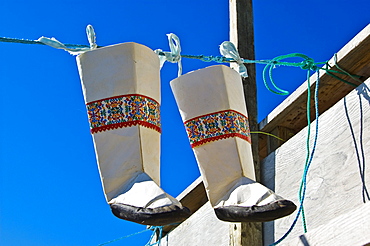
pixel 242 35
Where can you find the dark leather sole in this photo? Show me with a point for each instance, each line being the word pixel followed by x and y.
pixel 269 212
pixel 150 216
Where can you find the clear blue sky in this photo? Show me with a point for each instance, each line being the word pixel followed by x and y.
pixel 50 191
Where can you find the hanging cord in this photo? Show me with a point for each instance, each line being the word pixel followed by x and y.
pixel 359 146
pixel 354 77
pixel 309 157
pixel 342 71
pixel 268 134
pixel 157 230
pixel 127 236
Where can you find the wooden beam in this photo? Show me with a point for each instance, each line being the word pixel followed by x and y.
pixel 242 36
pixel 197 189
pixel 193 197
pixel 202 228
pixel 354 57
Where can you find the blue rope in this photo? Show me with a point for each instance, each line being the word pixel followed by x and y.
pixel 160 231
pixel 307 147
pixel 307 63
pixel 360 160
pixel 151 228
pixel 309 159
pixel 127 236
pixel 27 41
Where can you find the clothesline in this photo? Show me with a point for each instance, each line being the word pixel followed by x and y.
pixel 307 63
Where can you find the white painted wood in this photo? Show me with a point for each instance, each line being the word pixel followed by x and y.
pixel 334 179
pixel 191 187
pixel 202 228
pixel 351 228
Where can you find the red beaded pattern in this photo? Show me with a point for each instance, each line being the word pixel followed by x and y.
pixel 123 111
pixel 216 126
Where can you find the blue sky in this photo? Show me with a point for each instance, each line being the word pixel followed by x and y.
pixel 50 191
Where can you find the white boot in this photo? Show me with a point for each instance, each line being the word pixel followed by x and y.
pixel 212 106
pixel 121 86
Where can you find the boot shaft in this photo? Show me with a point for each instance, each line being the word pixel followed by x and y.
pixel 121 69
pixel 121 85
pixel 212 106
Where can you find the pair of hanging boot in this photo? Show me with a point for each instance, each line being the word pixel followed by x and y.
pixel 121 85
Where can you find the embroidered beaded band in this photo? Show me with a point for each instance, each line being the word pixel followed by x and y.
pixel 216 126
pixel 123 111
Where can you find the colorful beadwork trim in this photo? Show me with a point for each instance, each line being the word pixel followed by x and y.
pixel 123 111
pixel 216 126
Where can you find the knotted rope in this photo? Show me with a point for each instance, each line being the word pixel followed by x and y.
pixel 174 55
pixel 74 51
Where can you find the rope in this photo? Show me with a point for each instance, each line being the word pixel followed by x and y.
pixel 155 229
pixel 345 72
pixel 175 56
pixel 268 134
pixel 340 79
pixel 359 147
pixel 27 41
pixel 127 236
pixel 309 157
pixel 151 228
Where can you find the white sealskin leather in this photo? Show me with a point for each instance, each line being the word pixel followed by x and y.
pixel 226 165
pixel 247 193
pixel 128 157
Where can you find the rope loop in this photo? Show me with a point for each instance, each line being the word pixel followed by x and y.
pixel 307 64
pixel 267 73
pixel 90 32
